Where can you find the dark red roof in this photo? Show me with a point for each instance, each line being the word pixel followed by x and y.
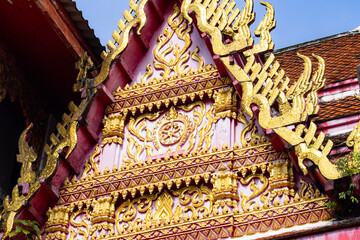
pixel 341 54
pixel 340 108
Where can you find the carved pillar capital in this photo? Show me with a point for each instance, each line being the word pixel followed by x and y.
pixel 57 223
pixel 225 103
pixel 225 185
pixel 113 130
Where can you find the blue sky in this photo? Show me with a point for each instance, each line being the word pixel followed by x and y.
pixel 298 21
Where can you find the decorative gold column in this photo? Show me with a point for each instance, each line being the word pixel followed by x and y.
pixel 225 185
pixel 113 130
pixel 225 192
pixel 57 223
pixel 225 103
pixel 281 179
pixel 103 216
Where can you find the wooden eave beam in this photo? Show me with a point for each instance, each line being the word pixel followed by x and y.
pixel 65 28
pixel 157 10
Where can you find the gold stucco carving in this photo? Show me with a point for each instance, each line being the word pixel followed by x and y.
pixel 170 132
pixel 246 200
pixel 172 128
pixel 190 207
pixel 173 64
pixel 91 167
pixel 58 216
pixel 113 130
pixel 178 56
pixel 225 185
pixel 262 87
pixel 217 19
pixel 57 223
pixel 163 207
pixel 83 65
pixel 225 103
pixel 103 216
pixel 166 205
pixel 80 228
pixel 281 179
pixel 65 137
pixel 353 140
pixel 26 157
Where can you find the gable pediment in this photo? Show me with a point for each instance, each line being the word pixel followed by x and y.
pixel 186 145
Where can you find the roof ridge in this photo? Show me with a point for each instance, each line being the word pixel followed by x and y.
pixel 317 41
pixel 83 26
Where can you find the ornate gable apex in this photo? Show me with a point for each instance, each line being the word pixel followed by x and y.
pixel 262 84
pixel 177 63
pixel 174 51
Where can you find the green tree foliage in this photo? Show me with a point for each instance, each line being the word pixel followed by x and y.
pixel 29 229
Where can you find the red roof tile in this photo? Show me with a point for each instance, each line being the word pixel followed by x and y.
pixel 340 108
pixel 341 55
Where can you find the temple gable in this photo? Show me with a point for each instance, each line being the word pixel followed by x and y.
pixel 178 155
pixel 200 137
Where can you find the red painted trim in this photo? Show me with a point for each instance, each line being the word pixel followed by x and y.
pixel 340 150
pixel 53 193
pixel 207 41
pixel 326 126
pixel 339 87
pixel 155 7
pixel 220 66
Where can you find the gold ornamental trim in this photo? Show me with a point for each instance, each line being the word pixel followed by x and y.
pixel 137 98
pixel 168 172
pixel 197 214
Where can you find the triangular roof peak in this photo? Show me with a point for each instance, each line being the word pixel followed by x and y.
pixel 227 25
pixel 233 47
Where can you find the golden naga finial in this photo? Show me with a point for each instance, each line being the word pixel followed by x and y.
pixel 243 22
pixel 266 85
pixel 135 17
pixel 312 148
pixel 263 31
pixel 66 137
pixel 212 19
pixel 83 65
pixel 26 156
pixel 318 82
